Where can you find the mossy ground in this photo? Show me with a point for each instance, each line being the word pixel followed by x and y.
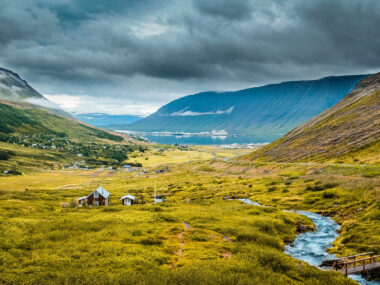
pixel 227 242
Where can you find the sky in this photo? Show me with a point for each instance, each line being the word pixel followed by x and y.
pixel 131 57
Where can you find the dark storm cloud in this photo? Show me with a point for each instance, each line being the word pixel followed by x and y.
pixel 231 10
pixel 127 48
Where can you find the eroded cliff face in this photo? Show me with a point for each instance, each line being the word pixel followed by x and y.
pixel 352 126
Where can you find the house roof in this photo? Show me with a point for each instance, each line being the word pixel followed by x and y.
pixel 82 198
pixel 131 197
pixel 102 192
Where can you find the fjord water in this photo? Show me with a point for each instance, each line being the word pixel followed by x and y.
pixel 312 247
pixel 202 140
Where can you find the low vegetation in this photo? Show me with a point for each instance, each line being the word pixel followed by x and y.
pixel 146 244
pixel 191 237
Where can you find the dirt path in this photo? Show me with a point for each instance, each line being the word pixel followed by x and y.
pixel 181 239
pixel 315 164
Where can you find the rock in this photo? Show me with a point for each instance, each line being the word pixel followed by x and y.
pixel 301 228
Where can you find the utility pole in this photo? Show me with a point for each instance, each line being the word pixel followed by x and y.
pixel 155 191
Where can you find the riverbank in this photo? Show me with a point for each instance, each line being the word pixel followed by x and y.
pixel 312 246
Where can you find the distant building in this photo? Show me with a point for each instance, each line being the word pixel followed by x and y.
pixel 128 200
pixel 158 171
pixel 100 197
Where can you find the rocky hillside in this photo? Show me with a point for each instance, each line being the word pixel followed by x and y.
pixel 347 132
pixel 13 87
pixel 266 112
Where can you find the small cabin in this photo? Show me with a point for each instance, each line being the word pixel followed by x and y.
pixel 100 197
pixel 128 200
pixel 82 201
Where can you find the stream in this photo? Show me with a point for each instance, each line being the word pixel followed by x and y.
pixel 312 247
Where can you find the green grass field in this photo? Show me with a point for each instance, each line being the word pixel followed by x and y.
pixel 226 242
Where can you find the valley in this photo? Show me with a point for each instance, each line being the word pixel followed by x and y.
pixel 186 219
pixel 162 142
pixel 150 243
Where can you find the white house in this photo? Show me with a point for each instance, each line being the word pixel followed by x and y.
pixel 128 200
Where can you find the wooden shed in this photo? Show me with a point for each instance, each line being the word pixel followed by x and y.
pixel 128 200
pixel 100 197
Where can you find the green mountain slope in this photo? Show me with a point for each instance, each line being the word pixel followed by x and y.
pixel 15 89
pixel 24 111
pixel 347 132
pixel 28 119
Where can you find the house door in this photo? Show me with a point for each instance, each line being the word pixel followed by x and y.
pixel 127 202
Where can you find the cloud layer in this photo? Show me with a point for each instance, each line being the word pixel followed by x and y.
pixel 153 51
pixel 187 112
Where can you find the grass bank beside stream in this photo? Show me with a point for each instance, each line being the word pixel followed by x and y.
pixel 227 241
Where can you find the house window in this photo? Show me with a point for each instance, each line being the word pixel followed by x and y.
pixel 96 195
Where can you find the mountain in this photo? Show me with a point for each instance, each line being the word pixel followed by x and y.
pixel 106 120
pixel 347 132
pixel 25 112
pixel 266 112
pixel 15 89
pixel 24 119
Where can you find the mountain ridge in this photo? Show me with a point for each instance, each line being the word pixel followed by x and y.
pixel 25 112
pixel 266 112
pixel 106 120
pixel 348 130
pixel 14 88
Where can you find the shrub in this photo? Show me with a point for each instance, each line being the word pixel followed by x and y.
pixel 137 233
pixel 271 189
pixel 5 155
pixel 328 195
pixel 319 187
pixel 167 218
pixel 151 241
pixel 14 172
pixel 111 209
pixel 206 168
pixel 200 237
pixel 260 239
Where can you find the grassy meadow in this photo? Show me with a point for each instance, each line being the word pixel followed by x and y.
pixel 164 154
pixel 196 236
